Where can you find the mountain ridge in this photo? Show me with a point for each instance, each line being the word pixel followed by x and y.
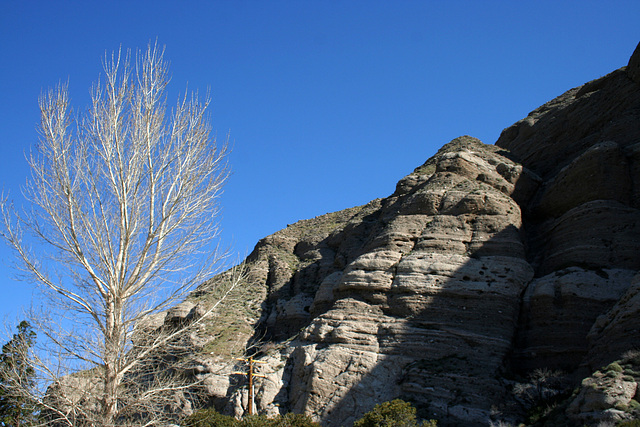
pixel 488 263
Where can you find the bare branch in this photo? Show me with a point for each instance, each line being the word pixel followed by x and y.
pixel 124 205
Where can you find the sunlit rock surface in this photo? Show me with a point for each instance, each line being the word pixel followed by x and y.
pixel 487 262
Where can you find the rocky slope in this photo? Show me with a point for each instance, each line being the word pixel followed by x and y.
pixel 487 262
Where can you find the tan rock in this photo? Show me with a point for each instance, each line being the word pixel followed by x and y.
pixel 600 398
pixel 485 260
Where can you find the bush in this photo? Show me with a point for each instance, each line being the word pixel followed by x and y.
pixel 294 420
pixel 254 421
pixel 211 418
pixel 288 420
pixel 396 413
pixel 615 367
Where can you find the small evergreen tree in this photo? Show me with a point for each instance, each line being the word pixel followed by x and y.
pixel 396 413
pixel 16 373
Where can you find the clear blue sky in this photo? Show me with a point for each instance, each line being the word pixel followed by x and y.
pixel 328 103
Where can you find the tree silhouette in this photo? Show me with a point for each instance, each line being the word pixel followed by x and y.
pixel 16 373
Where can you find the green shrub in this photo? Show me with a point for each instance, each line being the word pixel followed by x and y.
pixel 396 413
pixel 288 420
pixel 615 366
pixel 254 421
pixel 621 407
pixel 209 418
pixel 294 420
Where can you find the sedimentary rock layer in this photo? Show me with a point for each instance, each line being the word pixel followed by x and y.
pixel 487 262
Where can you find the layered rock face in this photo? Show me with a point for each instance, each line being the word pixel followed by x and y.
pixel 488 261
pixel 583 223
pixel 422 296
pixel 415 295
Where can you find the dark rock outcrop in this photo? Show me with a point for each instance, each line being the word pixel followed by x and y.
pixel 583 223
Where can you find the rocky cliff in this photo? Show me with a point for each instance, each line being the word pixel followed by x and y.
pixel 487 263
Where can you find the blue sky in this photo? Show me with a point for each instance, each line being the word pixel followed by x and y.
pixel 328 103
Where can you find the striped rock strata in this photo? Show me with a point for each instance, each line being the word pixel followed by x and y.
pixel 486 263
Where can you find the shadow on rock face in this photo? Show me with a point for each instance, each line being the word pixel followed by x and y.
pixel 486 262
pixel 426 307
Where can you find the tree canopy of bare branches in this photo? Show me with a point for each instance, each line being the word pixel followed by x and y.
pixel 124 207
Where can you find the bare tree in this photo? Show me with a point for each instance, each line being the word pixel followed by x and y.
pixel 124 208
